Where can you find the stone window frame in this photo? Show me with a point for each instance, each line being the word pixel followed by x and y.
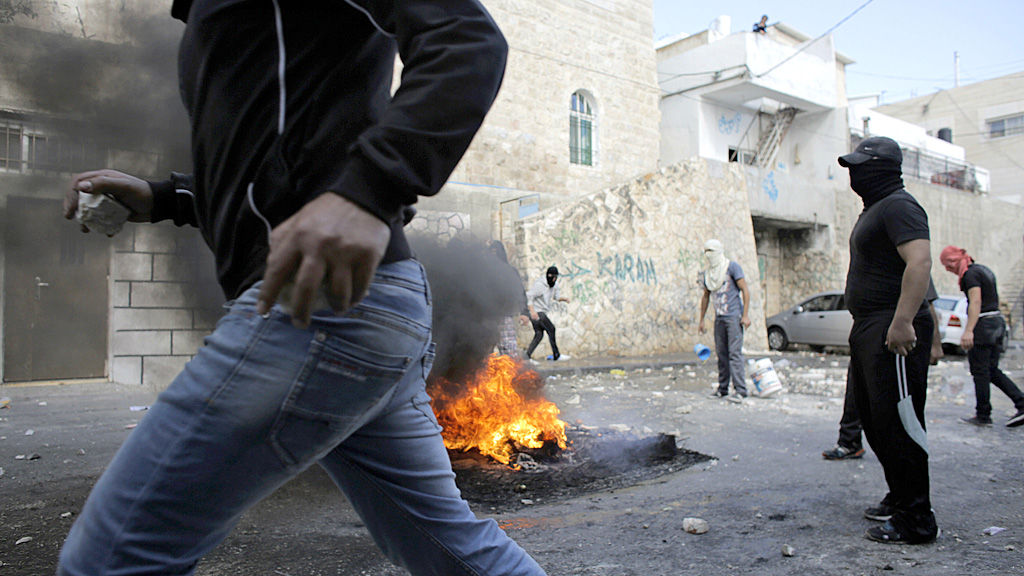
pixel 583 125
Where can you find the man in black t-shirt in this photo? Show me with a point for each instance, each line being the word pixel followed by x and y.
pixel 849 445
pixel 982 335
pixel 890 262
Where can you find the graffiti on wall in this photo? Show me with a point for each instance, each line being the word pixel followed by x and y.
pixel 634 269
pixel 768 186
pixel 731 125
pixel 611 271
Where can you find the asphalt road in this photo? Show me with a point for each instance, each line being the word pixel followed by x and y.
pixel 766 489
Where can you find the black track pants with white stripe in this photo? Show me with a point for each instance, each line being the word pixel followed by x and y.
pixel 880 379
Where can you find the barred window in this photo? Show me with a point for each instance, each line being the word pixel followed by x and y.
pixel 27 148
pixel 582 129
pixel 64 154
pixel 10 148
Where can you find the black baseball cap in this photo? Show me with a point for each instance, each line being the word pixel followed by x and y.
pixel 876 147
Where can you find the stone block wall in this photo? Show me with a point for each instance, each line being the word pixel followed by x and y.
pixel 164 300
pixel 629 258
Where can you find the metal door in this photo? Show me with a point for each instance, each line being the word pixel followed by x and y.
pixel 55 295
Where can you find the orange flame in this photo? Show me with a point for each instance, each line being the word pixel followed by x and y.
pixel 500 410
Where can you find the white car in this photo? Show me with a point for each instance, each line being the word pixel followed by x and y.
pixel 952 312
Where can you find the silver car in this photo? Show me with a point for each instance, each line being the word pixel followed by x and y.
pixel 819 321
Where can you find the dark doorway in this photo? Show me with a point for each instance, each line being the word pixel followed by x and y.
pixel 56 298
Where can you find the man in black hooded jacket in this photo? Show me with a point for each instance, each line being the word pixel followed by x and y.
pixel 304 163
pixel 890 263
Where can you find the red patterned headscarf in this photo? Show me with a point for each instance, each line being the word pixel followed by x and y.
pixel 956 260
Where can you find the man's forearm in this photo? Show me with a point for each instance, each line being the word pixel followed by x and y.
pixel 912 290
pixel 973 309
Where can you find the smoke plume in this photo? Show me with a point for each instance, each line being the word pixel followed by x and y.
pixel 473 292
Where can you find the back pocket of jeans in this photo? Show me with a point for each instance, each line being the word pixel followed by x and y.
pixel 337 391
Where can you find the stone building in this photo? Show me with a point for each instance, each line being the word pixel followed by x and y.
pixel 602 155
pixel 86 85
pixel 775 105
pixel 578 113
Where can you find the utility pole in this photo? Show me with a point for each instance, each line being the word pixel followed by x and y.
pixel 956 69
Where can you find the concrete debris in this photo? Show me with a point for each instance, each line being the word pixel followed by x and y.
pixel 527 502
pixel 4 402
pixel 23 540
pixel 42 403
pixel 695 525
pixel 30 432
pixel 574 399
pixel 788 551
pixel 34 456
pixel 619 427
pixel 138 408
pixel 65 515
pixel 992 530
pixel 684 409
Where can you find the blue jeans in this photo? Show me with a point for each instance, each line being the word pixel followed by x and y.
pixel 261 402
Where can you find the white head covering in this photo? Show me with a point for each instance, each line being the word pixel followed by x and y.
pixel 717 271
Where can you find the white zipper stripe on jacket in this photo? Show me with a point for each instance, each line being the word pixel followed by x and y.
pixel 370 17
pixel 281 108
pixel 282 93
pixel 256 211
pixel 190 194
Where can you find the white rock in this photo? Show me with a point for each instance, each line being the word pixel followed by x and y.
pixel 695 525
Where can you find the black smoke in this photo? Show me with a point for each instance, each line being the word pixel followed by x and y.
pixel 117 95
pixel 473 292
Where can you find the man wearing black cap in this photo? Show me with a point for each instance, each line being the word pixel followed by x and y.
pixel 539 298
pixel 890 263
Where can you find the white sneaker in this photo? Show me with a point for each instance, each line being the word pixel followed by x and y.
pixel 735 398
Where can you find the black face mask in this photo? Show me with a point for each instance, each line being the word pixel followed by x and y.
pixel 551 279
pixel 875 179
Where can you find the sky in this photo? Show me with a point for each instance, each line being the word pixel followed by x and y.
pixel 901 48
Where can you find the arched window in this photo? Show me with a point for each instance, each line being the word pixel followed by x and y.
pixel 582 128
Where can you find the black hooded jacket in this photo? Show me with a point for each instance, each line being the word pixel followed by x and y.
pixel 288 100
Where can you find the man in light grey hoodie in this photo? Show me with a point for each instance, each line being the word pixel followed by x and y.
pixel 542 293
